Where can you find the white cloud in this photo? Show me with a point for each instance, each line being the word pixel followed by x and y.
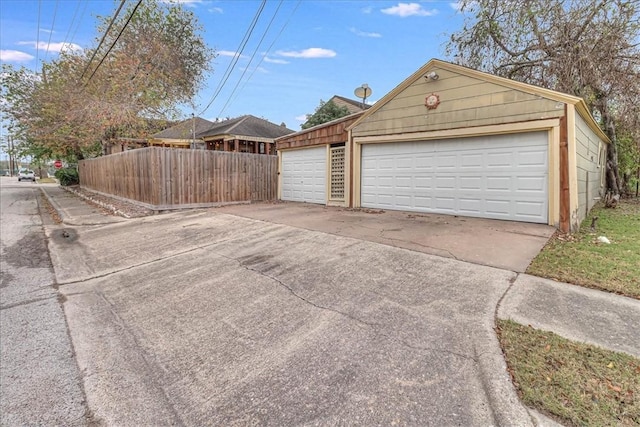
pixel 302 118
pixel 14 56
pixel 189 3
pixel 367 10
pixel 408 9
pixel 364 33
pixel 52 47
pixel 258 69
pixel 275 61
pixel 216 10
pixel 312 52
pixel 229 53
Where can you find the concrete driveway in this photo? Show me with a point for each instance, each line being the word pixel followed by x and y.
pixel 504 244
pixel 203 318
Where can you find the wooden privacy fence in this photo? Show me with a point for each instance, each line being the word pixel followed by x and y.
pixel 169 178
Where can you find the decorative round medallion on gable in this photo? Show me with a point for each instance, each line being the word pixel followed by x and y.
pixel 432 101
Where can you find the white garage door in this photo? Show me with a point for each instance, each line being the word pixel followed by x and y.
pixel 498 176
pixel 304 175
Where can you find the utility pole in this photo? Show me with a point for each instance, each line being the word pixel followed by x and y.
pixel 11 158
pixel 193 131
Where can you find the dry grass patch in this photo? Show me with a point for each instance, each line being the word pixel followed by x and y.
pixel 46 180
pixel 578 384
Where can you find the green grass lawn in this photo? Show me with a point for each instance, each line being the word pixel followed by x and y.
pixel 578 384
pixel 580 259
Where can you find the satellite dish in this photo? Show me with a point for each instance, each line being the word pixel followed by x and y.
pixel 363 92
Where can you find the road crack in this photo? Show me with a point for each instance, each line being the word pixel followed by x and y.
pixel 27 302
pixel 295 294
pixel 142 264
pixel 376 327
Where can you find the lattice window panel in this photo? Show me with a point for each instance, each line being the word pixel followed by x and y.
pixel 337 173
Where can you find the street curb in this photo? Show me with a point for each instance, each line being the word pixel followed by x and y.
pixel 605 331
pixel 506 406
pixel 63 216
pixel 99 203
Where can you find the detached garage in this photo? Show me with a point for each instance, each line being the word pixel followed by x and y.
pixel 453 140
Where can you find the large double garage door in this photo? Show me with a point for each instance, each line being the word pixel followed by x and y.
pixel 496 176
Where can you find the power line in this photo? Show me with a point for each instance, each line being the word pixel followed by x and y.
pixel 53 24
pixel 251 59
pixel 104 36
pixel 235 59
pixel 133 12
pixel 73 20
pixel 269 48
pixel 35 68
pixel 84 9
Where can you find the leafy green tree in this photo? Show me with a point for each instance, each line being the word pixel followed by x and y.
pixel 587 48
pixel 142 72
pixel 325 112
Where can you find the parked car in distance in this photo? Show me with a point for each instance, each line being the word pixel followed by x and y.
pixel 26 174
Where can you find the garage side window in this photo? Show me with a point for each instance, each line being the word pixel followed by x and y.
pixel 337 173
pixel 602 162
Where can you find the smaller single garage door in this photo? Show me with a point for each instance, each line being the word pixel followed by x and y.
pixel 304 175
pixel 494 176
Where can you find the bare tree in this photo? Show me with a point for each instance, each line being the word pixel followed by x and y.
pixel 585 48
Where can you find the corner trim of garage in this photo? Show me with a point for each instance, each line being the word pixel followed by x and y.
pixel 564 175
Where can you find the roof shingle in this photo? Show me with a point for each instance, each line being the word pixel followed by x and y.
pixel 247 125
pixel 184 129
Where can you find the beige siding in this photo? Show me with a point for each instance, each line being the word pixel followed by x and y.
pixel 590 164
pixel 465 101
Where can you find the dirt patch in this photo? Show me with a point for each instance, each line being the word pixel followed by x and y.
pixel 46 207
pixel 65 236
pixel 109 205
pixel 30 251
pixel 6 279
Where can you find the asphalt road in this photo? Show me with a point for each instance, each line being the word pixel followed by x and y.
pixel 203 318
pixel 40 383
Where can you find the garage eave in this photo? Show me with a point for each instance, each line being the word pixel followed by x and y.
pixel 320 126
pixel 581 106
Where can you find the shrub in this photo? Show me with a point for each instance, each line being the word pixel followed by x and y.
pixel 68 176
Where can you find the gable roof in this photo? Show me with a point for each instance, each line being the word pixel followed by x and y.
pixel 247 125
pixel 352 105
pixel 579 103
pixel 184 129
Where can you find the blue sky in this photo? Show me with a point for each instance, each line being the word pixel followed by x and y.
pixel 311 51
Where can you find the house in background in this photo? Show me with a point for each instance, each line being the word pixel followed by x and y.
pixel 245 134
pixel 456 141
pixel 351 105
pixel 182 135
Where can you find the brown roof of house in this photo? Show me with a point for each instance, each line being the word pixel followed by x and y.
pixel 246 126
pixel 184 129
